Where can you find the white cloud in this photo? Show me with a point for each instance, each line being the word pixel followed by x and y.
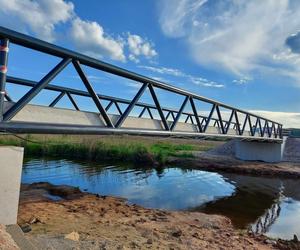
pixel 178 73
pixel 241 37
pixel 242 80
pixel 139 47
pixel 164 70
pixel 89 37
pixel 174 17
pixel 39 17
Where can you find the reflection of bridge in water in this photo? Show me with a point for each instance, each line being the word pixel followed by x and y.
pixel 256 201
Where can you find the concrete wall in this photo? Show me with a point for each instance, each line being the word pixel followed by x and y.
pixel 258 151
pixel 11 161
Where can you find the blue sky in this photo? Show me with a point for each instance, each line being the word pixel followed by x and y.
pixel 243 53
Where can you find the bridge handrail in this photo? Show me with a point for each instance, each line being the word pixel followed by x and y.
pixel 48 48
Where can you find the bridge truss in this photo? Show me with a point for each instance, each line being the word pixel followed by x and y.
pixel 239 123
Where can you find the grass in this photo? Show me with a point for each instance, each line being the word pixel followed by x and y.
pixel 131 149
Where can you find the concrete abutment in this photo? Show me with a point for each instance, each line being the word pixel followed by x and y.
pixel 11 162
pixel 258 151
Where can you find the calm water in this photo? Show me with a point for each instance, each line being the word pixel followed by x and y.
pixel 268 205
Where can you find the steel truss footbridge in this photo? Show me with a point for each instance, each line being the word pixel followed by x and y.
pixel 20 116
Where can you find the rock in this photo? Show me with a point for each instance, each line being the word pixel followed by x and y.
pixel 72 236
pixel 177 233
pixel 149 241
pixel 26 228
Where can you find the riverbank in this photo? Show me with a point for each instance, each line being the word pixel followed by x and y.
pixel 130 149
pixel 85 221
pixel 229 164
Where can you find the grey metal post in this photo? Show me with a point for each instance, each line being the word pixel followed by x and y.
pixel 3 69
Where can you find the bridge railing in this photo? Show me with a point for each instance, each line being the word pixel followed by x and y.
pixel 258 127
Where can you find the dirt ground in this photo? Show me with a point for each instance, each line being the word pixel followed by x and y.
pixel 229 164
pixel 86 221
pixel 6 242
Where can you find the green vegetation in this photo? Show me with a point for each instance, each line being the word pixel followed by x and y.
pixel 113 148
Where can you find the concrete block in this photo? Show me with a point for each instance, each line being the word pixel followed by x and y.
pixel 11 161
pixel 258 151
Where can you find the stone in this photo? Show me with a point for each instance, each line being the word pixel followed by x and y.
pixel 26 228
pixel 72 236
pixel 177 233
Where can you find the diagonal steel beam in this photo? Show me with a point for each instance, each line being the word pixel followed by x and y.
pixel 255 126
pixel 260 128
pixel 150 113
pixel 167 116
pixel 250 125
pixel 264 129
pixel 245 123
pixel 92 93
pixel 273 129
pixel 187 118
pixel 220 119
pixel 118 108
pixel 131 105
pixel 270 130
pixel 229 122
pixel 9 114
pixel 237 123
pixel 158 107
pixel 196 114
pixel 73 101
pixel 173 116
pixel 209 117
pixel 57 99
pixel 179 113
pixel 192 120
pixel 142 112
pixel 108 105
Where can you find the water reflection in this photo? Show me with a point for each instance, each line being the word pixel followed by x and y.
pixel 267 205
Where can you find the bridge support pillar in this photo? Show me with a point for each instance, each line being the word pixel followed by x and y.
pixel 258 151
pixel 11 161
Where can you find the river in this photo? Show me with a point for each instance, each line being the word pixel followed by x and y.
pixel 266 205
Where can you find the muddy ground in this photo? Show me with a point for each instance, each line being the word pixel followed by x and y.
pixel 85 221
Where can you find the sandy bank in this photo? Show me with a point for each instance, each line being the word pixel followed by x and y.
pixel 100 222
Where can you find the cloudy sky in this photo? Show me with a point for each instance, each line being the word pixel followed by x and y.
pixel 245 53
